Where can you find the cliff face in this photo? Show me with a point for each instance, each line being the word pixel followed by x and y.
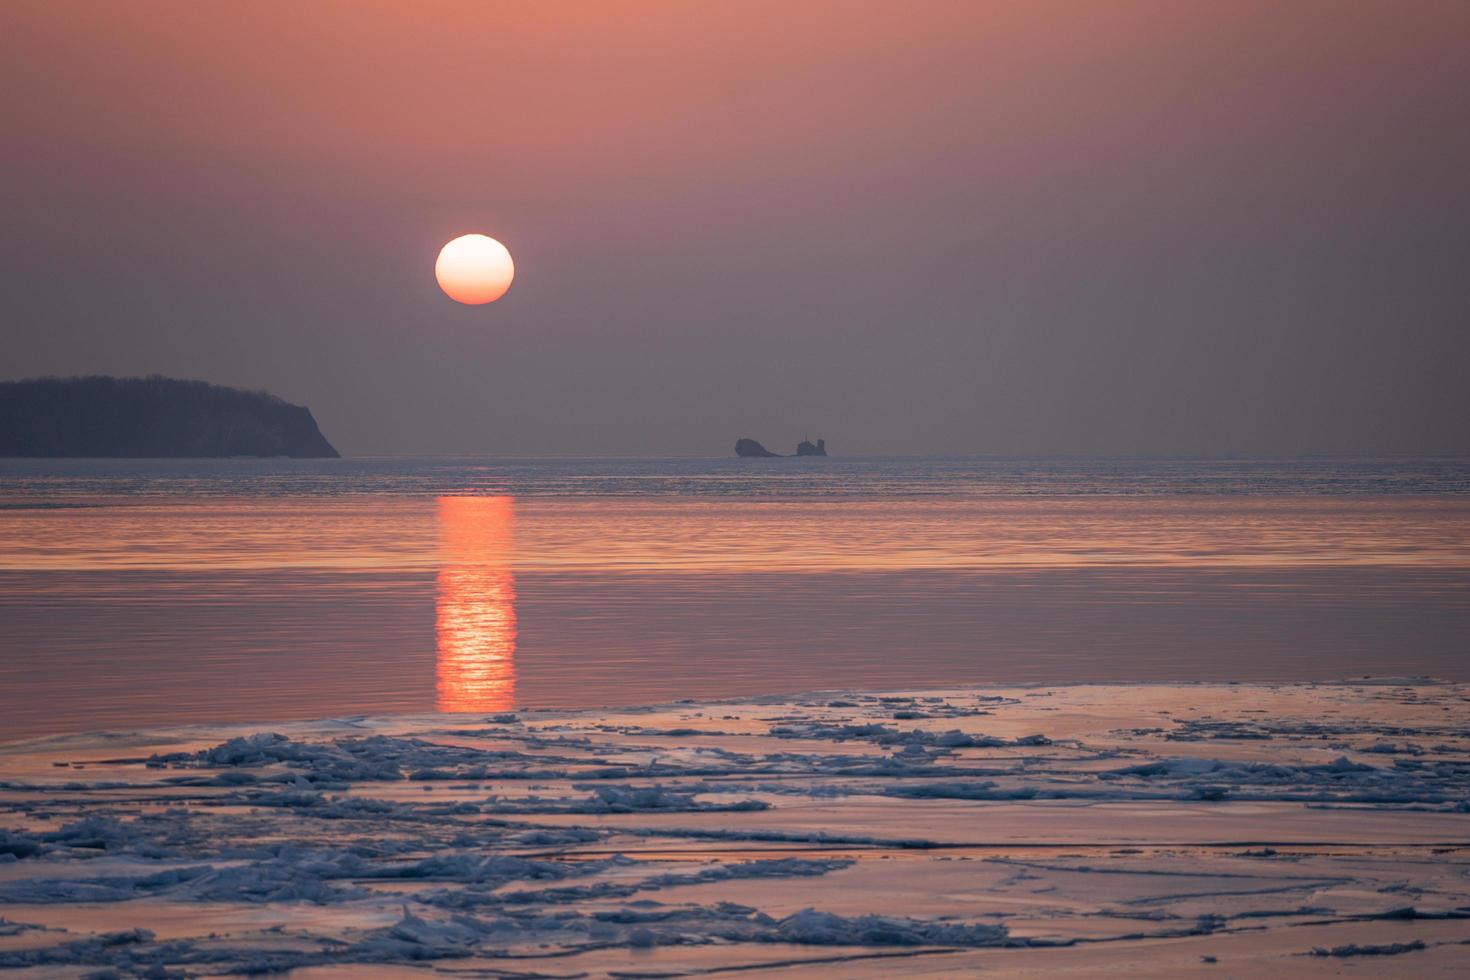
pixel 151 417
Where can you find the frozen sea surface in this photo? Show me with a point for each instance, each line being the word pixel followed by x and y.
pixel 1224 829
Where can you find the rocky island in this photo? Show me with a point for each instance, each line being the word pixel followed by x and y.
pixel 749 447
pixel 152 417
pixel 805 448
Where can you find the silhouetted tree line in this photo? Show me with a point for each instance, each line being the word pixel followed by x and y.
pixel 151 417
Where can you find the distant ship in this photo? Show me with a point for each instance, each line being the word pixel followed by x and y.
pixel 749 447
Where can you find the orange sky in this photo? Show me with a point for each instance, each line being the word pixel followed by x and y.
pixel 966 226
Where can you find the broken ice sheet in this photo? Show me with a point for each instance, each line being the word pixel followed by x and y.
pixel 850 832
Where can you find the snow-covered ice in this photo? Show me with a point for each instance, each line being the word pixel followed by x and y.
pixel 1161 829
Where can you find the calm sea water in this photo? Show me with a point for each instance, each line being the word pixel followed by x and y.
pixel 144 592
pixel 832 476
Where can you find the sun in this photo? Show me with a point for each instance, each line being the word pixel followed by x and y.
pixel 474 269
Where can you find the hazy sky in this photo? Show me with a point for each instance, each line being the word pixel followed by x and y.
pixel 1024 227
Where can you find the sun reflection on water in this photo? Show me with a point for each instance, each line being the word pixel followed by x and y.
pixel 475 623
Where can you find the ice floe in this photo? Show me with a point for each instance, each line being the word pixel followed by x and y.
pixel 977 826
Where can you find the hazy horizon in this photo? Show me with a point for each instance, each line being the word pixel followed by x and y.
pixel 1024 229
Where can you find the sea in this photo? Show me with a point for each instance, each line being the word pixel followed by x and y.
pixel 139 593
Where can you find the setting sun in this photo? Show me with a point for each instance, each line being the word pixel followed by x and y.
pixel 474 269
